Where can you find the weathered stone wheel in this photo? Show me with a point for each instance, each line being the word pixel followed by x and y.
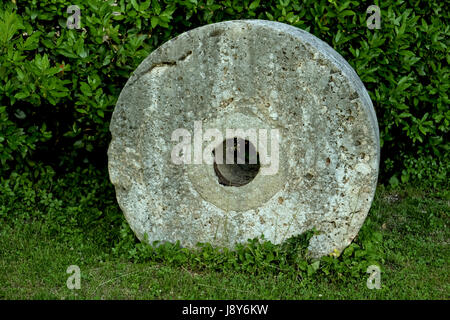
pixel 246 74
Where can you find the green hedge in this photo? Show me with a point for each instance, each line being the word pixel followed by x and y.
pixel 58 86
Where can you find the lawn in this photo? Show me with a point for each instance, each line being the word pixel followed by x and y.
pixel 414 225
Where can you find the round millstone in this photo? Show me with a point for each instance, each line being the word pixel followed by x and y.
pixel 247 74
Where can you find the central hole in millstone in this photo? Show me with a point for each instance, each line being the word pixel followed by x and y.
pixel 242 165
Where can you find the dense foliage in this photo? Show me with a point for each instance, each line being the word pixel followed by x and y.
pixel 58 86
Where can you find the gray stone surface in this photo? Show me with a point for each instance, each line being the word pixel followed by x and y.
pixel 246 74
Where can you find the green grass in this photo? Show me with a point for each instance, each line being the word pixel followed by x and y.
pixel 415 243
